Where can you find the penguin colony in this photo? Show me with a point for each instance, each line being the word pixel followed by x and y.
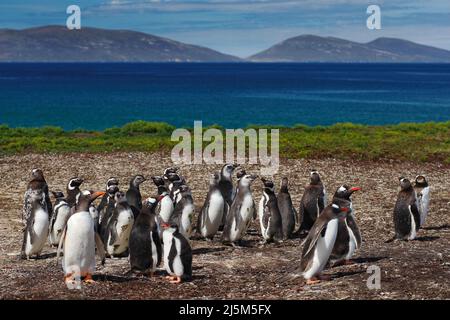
pixel 156 230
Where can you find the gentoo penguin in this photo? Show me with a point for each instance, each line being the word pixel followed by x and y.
pixel 210 216
pixel 177 255
pixel 166 206
pixel 79 241
pixel 145 243
pixel 313 201
pixel 37 222
pixel 111 185
pixel 348 238
pixel 289 217
pixel 61 213
pixel 320 241
pixel 184 211
pixel 117 234
pixel 423 197
pixel 134 197
pixel 241 212
pixel 269 213
pixel 406 212
pixel 73 190
pixel 106 210
pixel 37 184
pixel 226 188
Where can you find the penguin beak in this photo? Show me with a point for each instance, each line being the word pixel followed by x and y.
pixel 165 225
pixel 355 189
pixel 97 194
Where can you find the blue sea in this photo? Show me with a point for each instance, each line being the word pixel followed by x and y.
pixel 98 96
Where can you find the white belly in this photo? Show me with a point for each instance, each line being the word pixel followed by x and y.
pixel 352 242
pixel 210 224
pixel 59 224
pixel 40 229
pixel 154 252
pixel 262 203
pixel 323 249
pixel 246 213
pixel 186 220
pixel 79 245
pixel 166 209
pixel 423 205
pixel 178 269
pixel 124 225
pixel 412 234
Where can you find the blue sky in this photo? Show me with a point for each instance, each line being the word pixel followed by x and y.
pixel 243 27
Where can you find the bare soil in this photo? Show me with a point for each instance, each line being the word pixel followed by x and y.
pixel 417 269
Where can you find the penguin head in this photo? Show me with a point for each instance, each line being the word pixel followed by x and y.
pixel 113 181
pixel 37 174
pixel 240 173
pixel 170 170
pixel 112 190
pixel 184 188
pixel 137 180
pixel 86 197
pixel 341 208
pixel 227 170
pixel 74 183
pixel 421 181
pixel 247 180
pixel 158 181
pixel 345 192
pixel 150 203
pixel 58 194
pixel 284 184
pixel 214 179
pixel 172 177
pixel 120 197
pixel 405 184
pixel 314 177
pixel 269 186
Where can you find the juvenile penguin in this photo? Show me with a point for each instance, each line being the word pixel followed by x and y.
pixel 117 234
pixel 61 213
pixel 79 241
pixel 320 241
pixel 165 204
pixel 73 190
pixel 226 188
pixel 348 238
pixel 210 216
pixel 37 184
pixel 241 212
pixel 145 244
pixel 184 211
pixel 423 197
pixel 289 217
pixel 37 222
pixel 313 201
pixel 134 197
pixel 269 213
pixel 177 255
pixel 406 212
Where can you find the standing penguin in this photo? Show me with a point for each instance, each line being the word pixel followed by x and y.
pixel 423 197
pixel 269 213
pixel 289 217
pixel 226 188
pixel 111 185
pixel 79 241
pixel 166 173
pixel 106 210
pixel 406 212
pixel 145 244
pixel 241 212
pixel 210 216
pixel 61 213
pixel 117 234
pixel 320 241
pixel 134 197
pixel 166 206
pixel 184 211
pixel 37 184
pixel 73 190
pixel 313 201
pixel 348 238
pixel 177 255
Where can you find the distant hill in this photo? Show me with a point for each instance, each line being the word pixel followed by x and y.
pixel 58 44
pixel 310 48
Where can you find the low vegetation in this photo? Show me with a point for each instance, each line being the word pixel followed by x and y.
pixel 408 141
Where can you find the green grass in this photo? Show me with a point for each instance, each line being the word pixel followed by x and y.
pixel 409 141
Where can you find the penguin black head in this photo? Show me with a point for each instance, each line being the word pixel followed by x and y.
pixel 158 181
pixel 112 190
pixel 150 203
pixel 227 170
pixel 37 174
pixel 405 184
pixel 58 195
pixel 314 177
pixel 137 180
pixel 74 183
pixel 120 197
pixel 172 177
pixel 170 170
pixel 240 173
pixel 345 192
pixel 421 181
pixel 268 185
pixel 113 181
pixel 284 184
pixel 341 208
pixel 184 188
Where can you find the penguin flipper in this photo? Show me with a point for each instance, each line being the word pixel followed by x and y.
pixel 313 236
pixel 60 245
pixel 100 248
pixel 172 255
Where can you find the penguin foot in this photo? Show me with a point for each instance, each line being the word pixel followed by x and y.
pixel 312 281
pixel 88 279
pixel 175 280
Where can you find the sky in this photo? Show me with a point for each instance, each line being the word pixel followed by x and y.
pixel 243 27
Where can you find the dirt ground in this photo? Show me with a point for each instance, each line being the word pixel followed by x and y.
pixel 417 269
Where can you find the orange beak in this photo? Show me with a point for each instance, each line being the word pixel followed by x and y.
pixel 165 225
pixel 355 189
pixel 98 194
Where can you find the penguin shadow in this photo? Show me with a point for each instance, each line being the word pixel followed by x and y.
pixel 368 259
pixel 115 278
pixel 342 274
pixel 441 227
pixel 42 256
pixel 426 238
pixel 206 250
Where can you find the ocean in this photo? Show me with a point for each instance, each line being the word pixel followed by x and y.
pixel 98 96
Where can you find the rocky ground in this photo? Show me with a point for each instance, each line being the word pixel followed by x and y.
pixel 417 269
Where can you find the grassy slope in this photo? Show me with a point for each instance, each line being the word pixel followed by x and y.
pixel 411 141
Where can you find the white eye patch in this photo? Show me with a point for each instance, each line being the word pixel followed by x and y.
pixel 342 189
pixel 151 200
pixel 335 206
